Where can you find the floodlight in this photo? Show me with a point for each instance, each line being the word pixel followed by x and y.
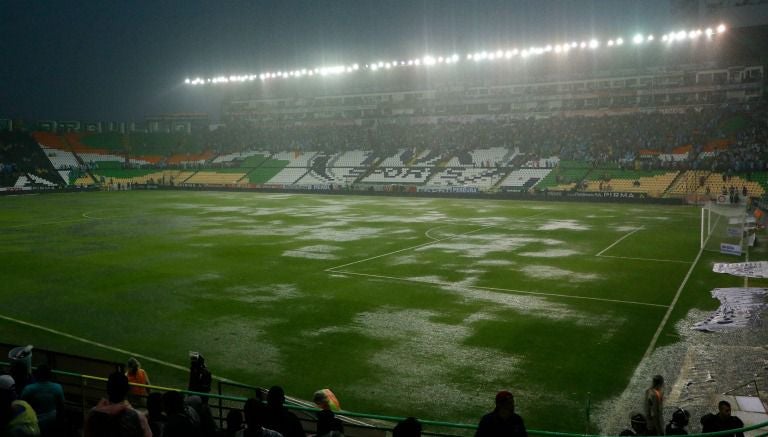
pixel 417 62
pixel 680 35
pixel 515 52
pixel 650 38
pixel 499 53
pixel 388 65
pixel 428 60
pixel 692 34
pixel 187 81
pixel 610 43
pixel 524 53
pixel 583 45
pixel 709 32
pixel 455 57
pixel 619 41
pixel 593 44
pixel 638 39
pixel 558 48
pixel 548 48
pixel 470 56
pixel 491 56
pixel 574 44
pixel 721 28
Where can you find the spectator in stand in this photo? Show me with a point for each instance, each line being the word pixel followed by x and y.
pixel 155 416
pixel 234 423
pixel 137 375
pixel 502 421
pixel 410 427
pixel 328 425
pixel 17 418
pixel 115 416
pixel 199 375
pixel 183 421
pixel 654 406
pixel 679 422
pixel 255 416
pixel 325 399
pixel 207 424
pixel 722 421
pixel 637 426
pixel 280 418
pixel 47 399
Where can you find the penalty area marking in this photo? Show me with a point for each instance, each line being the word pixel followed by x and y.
pixel 619 240
pixel 647 259
pixel 428 243
pixel 535 293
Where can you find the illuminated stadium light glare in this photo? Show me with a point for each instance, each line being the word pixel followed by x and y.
pixel 429 60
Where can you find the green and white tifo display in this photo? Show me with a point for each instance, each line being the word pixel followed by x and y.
pixel 403 306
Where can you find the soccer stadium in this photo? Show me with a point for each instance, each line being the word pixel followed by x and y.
pixel 553 222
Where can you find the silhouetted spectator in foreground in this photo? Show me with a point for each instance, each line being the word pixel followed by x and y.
pixel 115 416
pixel 654 406
pixel 234 423
pixel 502 421
pixel 183 421
pixel 722 421
pixel 409 427
pixel 155 416
pixel 328 425
pixel 279 418
pixel 679 422
pixel 207 424
pixel 199 376
pixel 637 426
pixel 255 417
pixel 46 398
pixel 17 418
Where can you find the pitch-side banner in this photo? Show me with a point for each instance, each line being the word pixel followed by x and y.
pixel 739 307
pixel 757 269
pixel 730 249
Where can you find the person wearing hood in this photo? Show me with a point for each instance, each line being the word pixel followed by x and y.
pixel 115 415
pixel 17 418
pixel 502 421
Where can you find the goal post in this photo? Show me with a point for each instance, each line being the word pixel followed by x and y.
pixel 722 228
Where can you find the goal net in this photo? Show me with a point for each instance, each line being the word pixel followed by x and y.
pixel 722 228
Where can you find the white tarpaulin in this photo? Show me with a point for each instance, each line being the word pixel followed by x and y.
pixel 757 269
pixel 739 307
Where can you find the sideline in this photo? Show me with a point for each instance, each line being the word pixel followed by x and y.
pixel 535 293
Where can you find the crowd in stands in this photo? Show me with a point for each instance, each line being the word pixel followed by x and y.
pixel 729 139
pixel 34 405
pixel 605 138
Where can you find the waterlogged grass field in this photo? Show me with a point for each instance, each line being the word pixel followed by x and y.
pixel 401 306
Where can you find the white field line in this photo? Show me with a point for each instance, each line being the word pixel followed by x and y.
pixel 619 240
pixel 332 269
pixel 646 259
pixel 26 225
pixel 674 300
pixel 426 234
pixel 145 358
pixel 94 343
pixel 535 293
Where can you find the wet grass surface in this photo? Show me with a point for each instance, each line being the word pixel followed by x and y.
pixel 460 298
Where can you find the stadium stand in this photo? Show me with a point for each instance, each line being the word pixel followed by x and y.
pixel 215 177
pixel 481 178
pixel 523 179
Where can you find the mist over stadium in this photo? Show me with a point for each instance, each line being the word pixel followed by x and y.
pixel 370 218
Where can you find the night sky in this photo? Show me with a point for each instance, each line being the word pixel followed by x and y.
pixel 123 60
